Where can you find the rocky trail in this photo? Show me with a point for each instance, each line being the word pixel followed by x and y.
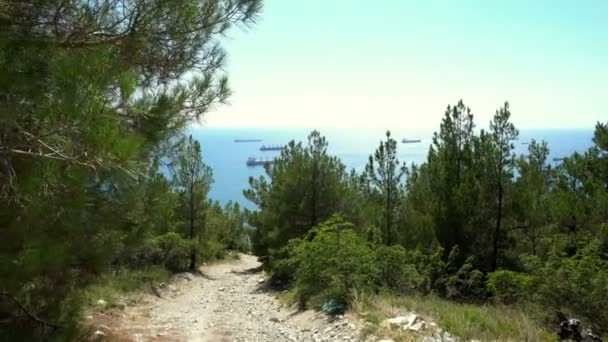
pixel 228 303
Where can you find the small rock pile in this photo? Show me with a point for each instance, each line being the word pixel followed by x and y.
pixel 341 330
pixel 416 324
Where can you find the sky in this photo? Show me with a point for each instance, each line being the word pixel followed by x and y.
pixel 399 63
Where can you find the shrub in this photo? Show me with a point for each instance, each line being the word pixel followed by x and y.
pixel 577 284
pixel 172 251
pixel 283 263
pixel 395 274
pixel 332 261
pixel 466 284
pixel 432 268
pixel 212 250
pixel 510 287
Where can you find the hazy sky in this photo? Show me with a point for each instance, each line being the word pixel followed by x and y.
pixel 399 63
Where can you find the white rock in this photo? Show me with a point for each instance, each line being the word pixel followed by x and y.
pixel 386 340
pixel 397 322
pixel 418 326
pixel 98 336
pixel 102 303
pixel 408 322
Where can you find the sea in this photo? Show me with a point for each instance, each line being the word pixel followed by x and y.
pixel 228 158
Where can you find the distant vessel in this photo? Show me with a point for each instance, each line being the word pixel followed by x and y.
pixel 410 141
pixel 272 148
pixel 558 159
pixel 246 140
pixel 251 161
pixel 525 143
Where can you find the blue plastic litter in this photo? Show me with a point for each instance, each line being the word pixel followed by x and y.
pixel 333 308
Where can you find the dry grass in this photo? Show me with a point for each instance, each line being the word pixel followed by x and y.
pixel 466 321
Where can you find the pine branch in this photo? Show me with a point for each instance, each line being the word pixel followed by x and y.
pixel 22 308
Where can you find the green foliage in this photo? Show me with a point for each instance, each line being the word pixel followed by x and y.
pixel 332 261
pixel 581 278
pixel 461 226
pixel 382 182
pixel 510 287
pixel 172 251
pixel 91 106
pixel 305 186
pixel 467 283
pixel 395 272
pixel 111 286
pixel 489 322
pixel 192 180
pixel 450 168
pixel 573 284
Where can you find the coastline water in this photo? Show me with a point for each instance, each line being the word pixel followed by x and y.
pixel 352 146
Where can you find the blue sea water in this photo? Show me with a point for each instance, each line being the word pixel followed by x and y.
pixel 352 146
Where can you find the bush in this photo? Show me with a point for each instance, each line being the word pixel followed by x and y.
pixel 577 284
pixel 510 287
pixel 394 273
pixel 432 268
pixel 283 264
pixel 172 251
pixel 212 250
pixel 466 284
pixel 332 261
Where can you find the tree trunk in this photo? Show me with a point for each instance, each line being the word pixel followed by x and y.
pixel 389 218
pixel 313 216
pixel 193 250
pixel 497 230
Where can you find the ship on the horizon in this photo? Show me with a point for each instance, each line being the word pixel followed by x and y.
pixel 410 141
pixel 272 148
pixel 246 140
pixel 252 161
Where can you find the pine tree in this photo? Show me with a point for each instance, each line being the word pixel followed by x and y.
pixel 91 91
pixel 305 186
pixel 531 192
pixel 192 178
pixel 502 133
pixel 384 174
pixel 451 177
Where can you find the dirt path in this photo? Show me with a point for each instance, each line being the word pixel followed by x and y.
pixel 227 304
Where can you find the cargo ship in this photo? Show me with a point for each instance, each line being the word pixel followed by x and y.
pixel 410 141
pixel 246 140
pixel 251 161
pixel 272 148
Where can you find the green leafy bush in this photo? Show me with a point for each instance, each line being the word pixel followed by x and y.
pixel 510 287
pixel 212 250
pixel 172 251
pixel 394 273
pixel 432 268
pixel 283 263
pixel 466 284
pixel 577 284
pixel 332 261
